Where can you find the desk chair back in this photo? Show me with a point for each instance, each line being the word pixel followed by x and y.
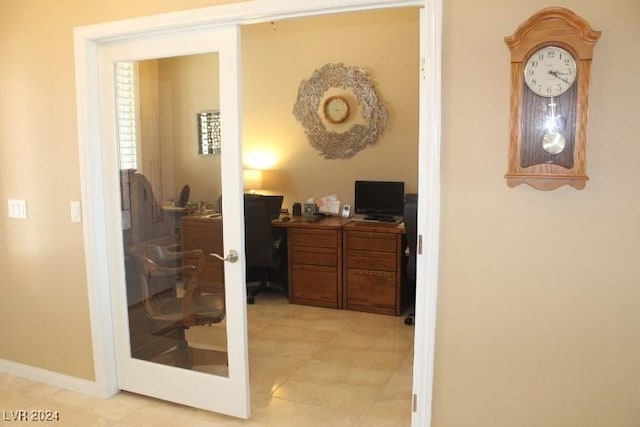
pixel 261 250
pixel 411 230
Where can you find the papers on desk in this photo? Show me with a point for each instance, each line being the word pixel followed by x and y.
pixel 329 204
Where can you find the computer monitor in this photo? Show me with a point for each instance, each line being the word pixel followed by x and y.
pixel 379 200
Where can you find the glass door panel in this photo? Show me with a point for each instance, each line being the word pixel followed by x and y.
pixel 179 310
pixel 173 223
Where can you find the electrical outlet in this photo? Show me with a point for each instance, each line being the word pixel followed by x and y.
pixel 17 208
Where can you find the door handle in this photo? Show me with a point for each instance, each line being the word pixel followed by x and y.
pixel 232 256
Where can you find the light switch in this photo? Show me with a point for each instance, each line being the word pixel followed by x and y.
pixel 76 214
pixel 17 208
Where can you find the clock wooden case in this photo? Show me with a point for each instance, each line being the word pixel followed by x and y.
pixel 551 55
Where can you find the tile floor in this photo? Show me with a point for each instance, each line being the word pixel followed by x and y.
pixel 309 367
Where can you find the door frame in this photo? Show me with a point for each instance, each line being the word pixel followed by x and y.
pixel 95 225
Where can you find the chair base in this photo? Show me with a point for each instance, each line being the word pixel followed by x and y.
pixel 193 358
pixel 262 286
pixel 409 320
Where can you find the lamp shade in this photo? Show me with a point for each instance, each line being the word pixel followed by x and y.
pixel 252 180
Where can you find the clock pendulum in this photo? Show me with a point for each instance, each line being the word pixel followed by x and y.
pixel 553 142
pixel 551 55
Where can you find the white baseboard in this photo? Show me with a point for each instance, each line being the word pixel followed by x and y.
pixel 55 379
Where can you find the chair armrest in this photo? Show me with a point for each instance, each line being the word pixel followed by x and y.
pixel 189 268
pixel 277 243
pixel 173 256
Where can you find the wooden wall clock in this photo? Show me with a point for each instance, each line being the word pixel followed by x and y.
pixel 551 56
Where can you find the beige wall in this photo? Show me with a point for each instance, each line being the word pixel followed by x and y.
pixel 537 313
pixel 189 84
pixel 274 64
pixel 538 308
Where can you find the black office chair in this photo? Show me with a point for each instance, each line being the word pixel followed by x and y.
pixel 184 197
pixel 262 246
pixel 411 230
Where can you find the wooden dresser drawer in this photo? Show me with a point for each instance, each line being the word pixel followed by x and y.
pixel 314 256
pixel 314 238
pixel 315 285
pixel 385 261
pixel 371 241
pixel 372 268
pixel 371 291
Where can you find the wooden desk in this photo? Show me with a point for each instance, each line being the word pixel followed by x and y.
pixel 334 262
pixel 172 215
pixel 205 233
pixel 314 255
pixel 373 267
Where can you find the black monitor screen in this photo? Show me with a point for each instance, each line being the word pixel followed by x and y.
pixel 379 197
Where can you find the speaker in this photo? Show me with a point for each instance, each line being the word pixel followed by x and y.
pixel 346 211
pixel 297 209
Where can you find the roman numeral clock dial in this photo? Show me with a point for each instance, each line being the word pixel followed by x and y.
pixel 551 56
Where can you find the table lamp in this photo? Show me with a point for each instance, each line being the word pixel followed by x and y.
pixel 252 180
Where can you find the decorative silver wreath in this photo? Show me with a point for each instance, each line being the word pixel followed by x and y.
pixel 344 145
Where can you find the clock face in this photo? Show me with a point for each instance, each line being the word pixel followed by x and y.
pixel 336 109
pixel 550 71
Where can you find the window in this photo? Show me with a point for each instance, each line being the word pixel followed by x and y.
pixel 126 114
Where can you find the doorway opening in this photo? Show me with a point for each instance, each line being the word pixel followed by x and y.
pixel 98 260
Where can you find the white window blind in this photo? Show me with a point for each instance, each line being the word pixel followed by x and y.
pixel 126 114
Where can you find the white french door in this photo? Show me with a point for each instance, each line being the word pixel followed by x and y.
pixel 215 377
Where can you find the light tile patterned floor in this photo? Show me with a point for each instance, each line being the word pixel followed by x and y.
pixel 309 367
